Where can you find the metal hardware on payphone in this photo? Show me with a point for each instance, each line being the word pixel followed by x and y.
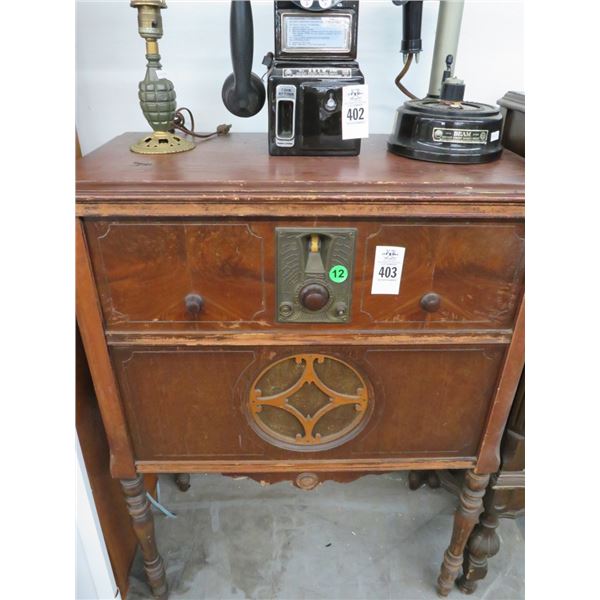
pixel 314 61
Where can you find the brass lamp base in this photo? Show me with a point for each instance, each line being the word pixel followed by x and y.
pixel 161 142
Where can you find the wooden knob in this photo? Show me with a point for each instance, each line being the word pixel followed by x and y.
pixel 431 302
pixel 194 303
pixel 314 296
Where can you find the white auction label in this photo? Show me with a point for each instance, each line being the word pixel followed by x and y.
pixel 387 270
pixel 355 112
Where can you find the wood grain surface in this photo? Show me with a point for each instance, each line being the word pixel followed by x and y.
pixel 172 384
pixel 234 175
pixel 145 270
pixel 90 323
pixel 177 409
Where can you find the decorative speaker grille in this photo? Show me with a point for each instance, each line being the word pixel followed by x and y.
pixel 308 402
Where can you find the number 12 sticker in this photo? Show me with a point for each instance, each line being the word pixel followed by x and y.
pixel 355 112
pixel 387 270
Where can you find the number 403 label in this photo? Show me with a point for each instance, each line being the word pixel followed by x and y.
pixel 387 270
pixel 355 112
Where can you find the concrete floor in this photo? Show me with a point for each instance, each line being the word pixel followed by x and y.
pixel 367 540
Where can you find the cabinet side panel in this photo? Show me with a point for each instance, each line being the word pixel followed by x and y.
pixel 90 323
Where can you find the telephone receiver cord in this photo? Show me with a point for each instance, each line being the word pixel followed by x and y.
pixel 402 74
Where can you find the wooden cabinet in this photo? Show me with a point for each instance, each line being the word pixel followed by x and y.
pixel 196 371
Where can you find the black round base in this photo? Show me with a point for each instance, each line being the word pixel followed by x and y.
pixel 436 131
pixel 442 156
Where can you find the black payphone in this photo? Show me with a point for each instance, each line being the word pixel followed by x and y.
pixel 317 99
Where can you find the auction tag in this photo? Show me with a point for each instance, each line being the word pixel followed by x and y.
pixel 355 112
pixel 387 270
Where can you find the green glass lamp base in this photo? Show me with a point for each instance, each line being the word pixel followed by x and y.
pixel 162 142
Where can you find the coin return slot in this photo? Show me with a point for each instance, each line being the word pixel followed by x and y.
pixel 285 119
pixel 285 115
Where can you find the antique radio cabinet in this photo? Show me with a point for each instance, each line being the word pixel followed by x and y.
pixel 239 316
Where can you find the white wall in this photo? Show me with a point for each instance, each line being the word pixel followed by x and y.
pixel 94 579
pixel 195 56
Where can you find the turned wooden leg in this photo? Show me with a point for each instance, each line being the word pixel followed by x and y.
pixel 143 526
pixel 483 544
pixel 465 518
pixel 418 478
pixel 182 481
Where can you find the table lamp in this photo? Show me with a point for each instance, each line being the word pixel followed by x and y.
pixel 156 94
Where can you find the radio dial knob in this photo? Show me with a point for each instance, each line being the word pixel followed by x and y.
pixel 314 296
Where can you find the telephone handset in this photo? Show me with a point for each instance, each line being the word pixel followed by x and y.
pixel 243 92
pixel 314 60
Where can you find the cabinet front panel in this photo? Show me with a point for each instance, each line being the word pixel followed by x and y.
pixel 289 403
pixel 455 275
pixel 146 272
pixel 476 270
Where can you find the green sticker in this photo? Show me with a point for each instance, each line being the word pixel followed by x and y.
pixel 338 273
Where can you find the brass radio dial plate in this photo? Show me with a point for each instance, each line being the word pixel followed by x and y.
pixel 315 268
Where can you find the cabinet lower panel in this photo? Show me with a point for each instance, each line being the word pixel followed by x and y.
pixel 190 405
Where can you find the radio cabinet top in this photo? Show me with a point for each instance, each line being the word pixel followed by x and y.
pixel 232 175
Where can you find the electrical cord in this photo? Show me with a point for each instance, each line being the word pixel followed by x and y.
pixel 179 123
pixel 402 74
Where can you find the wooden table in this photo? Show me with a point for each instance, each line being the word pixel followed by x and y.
pixel 196 369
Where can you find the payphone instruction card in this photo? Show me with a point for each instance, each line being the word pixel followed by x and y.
pixel 355 111
pixel 387 270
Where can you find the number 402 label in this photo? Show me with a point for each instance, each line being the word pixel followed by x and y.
pixel 355 112
pixel 387 270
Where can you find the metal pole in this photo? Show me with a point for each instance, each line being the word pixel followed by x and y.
pixel 446 41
